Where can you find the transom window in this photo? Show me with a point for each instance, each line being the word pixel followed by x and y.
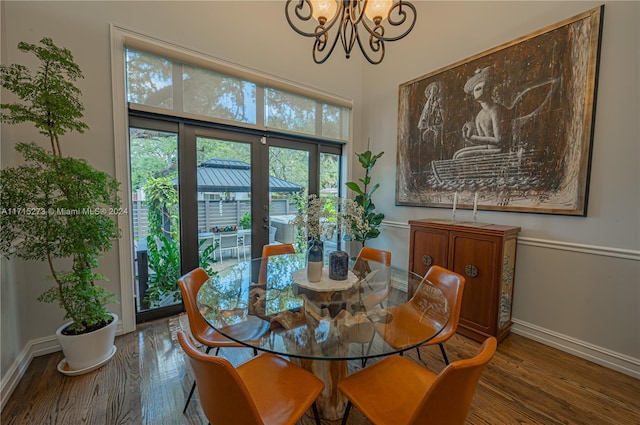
pixel 180 88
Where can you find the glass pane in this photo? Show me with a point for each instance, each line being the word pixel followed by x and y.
pixel 287 111
pixel 149 80
pixel 224 202
pixel 335 122
pixel 155 215
pixel 216 95
pixel 288 185
pixel 329 172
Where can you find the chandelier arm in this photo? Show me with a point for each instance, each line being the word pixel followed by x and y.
pixel 348 36
pixel 317 48
pixel 395 23
pixel 376 46
pixel 357 16
pixel 300 13
pixel 350 14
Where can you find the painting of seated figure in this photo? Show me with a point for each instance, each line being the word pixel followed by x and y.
pixel 512 125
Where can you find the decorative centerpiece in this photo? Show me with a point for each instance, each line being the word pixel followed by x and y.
pixel 338 265
pixel 313 218
pixel 349 221
pixel 322 217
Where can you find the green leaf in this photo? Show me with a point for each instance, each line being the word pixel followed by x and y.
pixel 354 186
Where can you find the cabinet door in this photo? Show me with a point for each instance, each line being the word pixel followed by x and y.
pixel 428 247
pixel 473 256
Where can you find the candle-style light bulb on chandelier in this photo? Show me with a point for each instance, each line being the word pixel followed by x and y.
pixel 369 23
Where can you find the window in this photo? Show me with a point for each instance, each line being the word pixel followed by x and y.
pixel 179 88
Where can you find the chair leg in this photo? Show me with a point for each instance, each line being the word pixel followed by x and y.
pixel 364 361
pixel 418 351
pixel 316 415
pixel 193 388
pixel 444 354
pixel 255 352
pixel 346 413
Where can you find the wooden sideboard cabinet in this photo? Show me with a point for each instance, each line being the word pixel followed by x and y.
pixel 485 254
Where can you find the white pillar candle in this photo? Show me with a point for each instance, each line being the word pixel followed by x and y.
pixel 455 202
pixel 475 204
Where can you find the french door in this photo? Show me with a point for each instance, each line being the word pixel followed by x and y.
pixel 206 195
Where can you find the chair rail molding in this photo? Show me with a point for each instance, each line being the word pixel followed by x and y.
pixel 627 254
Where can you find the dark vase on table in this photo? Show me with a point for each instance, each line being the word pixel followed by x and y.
pixel 338 265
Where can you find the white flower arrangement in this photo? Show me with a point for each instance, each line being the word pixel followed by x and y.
pixel 351 219
pixel 320 219
pixel 313 217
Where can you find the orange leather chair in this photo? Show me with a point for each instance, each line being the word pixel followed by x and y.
pixel 374 254
pixel 399 333
pixel 189 284
pixel 361 267
pixel 452 286
pixel 265 390
pixel 269 250
pixel 397 391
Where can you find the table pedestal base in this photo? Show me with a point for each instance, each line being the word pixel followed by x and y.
pixel 331 403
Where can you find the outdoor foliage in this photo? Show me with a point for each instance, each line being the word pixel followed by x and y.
pixel 245 221
pixel 163 243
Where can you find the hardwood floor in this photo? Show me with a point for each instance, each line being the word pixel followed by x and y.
pixel 148 380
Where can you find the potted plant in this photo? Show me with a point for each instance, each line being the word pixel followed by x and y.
pixel 59 209
pixel 363 198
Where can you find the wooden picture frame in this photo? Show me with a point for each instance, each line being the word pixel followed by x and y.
pixel 513 124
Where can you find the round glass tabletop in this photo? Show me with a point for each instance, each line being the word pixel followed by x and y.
pixel 269 304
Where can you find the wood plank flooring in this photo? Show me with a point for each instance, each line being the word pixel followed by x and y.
pixel 148 380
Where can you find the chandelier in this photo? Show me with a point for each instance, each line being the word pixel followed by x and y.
pixel 355 21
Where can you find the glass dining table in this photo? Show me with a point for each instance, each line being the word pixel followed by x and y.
pixel 320 325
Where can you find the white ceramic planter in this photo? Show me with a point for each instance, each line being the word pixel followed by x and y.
pixel 86 352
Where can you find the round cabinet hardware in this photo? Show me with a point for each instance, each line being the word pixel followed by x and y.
pixel 427 260
pixel 470 270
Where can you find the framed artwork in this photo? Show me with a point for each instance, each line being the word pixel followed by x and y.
pixel 513 125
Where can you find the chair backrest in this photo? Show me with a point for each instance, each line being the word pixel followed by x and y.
pixel 448 400
pixel 362 267
pixel 228 240
pixel 283 248
pixel 381 283
pixel 268 251
pixel 452 286
pixel 223 395
pixel 189 285
pixel 374 254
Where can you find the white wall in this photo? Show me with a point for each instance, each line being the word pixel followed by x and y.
pixel 583 301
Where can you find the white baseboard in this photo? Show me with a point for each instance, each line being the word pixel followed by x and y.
pixel 607 358
pixel 34 348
